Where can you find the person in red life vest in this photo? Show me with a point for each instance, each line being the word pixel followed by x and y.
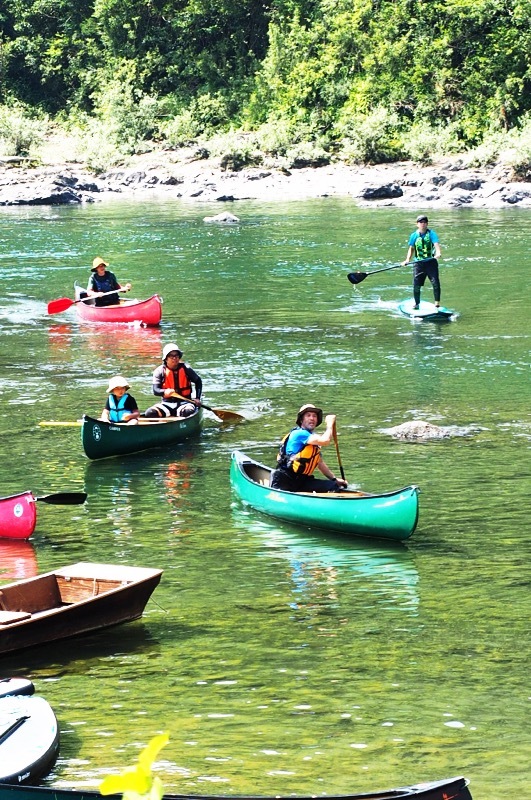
pixel 103 281
pixel 120 405
pixel 300 455
pixel 171 378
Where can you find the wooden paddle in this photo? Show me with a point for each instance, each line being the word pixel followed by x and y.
pixel 342 471
pixel 77 424
pixel 358 277
pixel 63 303
pixel 221 413
pixel 64 498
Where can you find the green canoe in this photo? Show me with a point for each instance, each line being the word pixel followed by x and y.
pixel 104 439
pixel 392 515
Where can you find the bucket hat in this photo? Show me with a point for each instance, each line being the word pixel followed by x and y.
pixel 97 263
pixel 309 407
pixel 117 381
pixel 169 348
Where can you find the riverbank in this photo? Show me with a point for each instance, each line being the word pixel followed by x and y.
pixel 184 175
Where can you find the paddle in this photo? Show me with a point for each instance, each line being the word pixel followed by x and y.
pixel 76 424
pixel 63 303
pixel 221 413
pixel 64 498
pixel 342 471
pixel 358 277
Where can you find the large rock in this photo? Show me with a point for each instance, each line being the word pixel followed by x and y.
pixel 417 429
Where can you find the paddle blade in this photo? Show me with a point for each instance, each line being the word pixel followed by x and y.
pixel 357 277
pixel 62 304
pixel 227 416
pixel 64 498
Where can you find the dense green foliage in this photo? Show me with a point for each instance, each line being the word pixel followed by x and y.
pixel 371 78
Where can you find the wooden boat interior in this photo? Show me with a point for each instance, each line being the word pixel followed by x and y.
pixel 48 593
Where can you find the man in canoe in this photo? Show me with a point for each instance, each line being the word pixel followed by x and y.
pixel 300 455
pixel 103 281
pixel 424 244
pixel 120 405
pixel 173 382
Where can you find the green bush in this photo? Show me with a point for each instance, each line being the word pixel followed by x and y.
pixel 423 142
pixel 20 134
pixel 370 138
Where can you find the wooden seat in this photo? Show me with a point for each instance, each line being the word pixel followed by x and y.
pixel 9 617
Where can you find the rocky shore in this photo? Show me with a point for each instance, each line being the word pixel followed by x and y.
pixel 184 176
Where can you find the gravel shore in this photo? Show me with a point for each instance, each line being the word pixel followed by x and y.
pixel 183 176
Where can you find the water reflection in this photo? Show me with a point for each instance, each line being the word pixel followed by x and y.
pixel 17 560
pixel 119 341
pixel 321 566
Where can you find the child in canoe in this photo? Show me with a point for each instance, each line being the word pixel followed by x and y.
pixel 120 406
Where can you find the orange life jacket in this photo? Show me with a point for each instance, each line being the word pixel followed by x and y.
pixel 302 463
pixel 178 380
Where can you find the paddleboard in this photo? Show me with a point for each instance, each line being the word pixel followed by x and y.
pixel 29 739
pixel 12 686
pixel 426 311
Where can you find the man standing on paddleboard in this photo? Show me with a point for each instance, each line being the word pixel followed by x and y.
pixel 424 248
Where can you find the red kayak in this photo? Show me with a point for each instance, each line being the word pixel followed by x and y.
pixel 18 515
pixel 147 313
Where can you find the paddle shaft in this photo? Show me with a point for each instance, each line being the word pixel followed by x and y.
pixel 358 277
pixel 64 303
pixel 342 471
pixel 221 413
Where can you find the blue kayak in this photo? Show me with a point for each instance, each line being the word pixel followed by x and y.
pixel 426 311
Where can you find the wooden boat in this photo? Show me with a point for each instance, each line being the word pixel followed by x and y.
pixel 449 789
pixel 75 599
pixel 427 312
pixel 147 313
pixel 18 516
pixel 392 515
pixel 29 739
pixel 105 439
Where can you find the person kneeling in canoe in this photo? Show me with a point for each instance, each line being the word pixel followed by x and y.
pixel 101 282
pixel 173 378
pixel 120 405
pixel 300 455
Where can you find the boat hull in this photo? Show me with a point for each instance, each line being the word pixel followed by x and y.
pixel 141 312
pixel 107 439
pixel 29 739
pixel 18 516
pixel 393 515
pixel 449 789
pixel 427 312
pixel 77 599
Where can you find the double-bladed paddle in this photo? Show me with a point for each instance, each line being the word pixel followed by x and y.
pixel 64 498
pixel 64 303
pixel 221 413
pixel 358 277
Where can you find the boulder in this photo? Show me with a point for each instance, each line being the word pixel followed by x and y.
pixel 416 430
pixel 225 217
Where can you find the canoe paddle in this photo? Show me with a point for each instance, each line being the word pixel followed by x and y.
pixel 342 471
pixel 64 498
pixel 52 424
pixel 358 277
pixel 221 413
pixel 63 303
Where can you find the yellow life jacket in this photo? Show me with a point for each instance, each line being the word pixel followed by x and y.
pixel 302 463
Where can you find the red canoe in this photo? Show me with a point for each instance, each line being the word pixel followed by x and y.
pixel 18 515
pixel 147 313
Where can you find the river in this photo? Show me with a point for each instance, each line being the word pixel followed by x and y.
pixel 282 660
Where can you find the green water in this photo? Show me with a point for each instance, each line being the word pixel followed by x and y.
pixel 282 660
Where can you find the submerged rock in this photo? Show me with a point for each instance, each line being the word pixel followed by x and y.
pixel 225 216
pixel 417 429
